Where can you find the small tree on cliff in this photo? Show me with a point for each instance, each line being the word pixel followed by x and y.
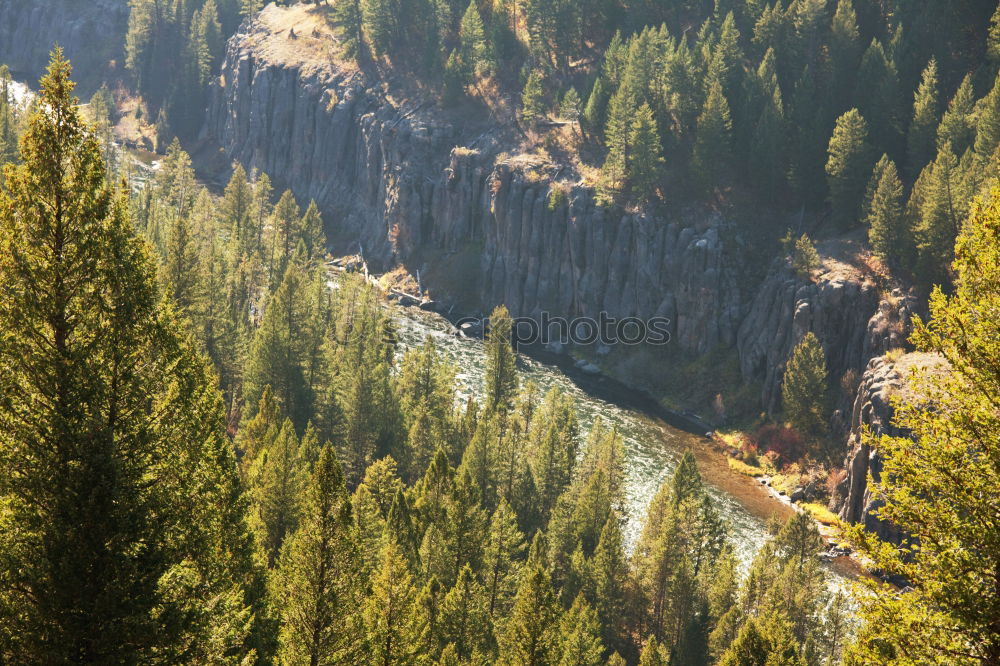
pixel 803 391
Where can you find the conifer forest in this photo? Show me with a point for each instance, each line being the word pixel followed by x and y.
pixel 276 379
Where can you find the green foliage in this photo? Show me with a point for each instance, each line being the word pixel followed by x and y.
pixel 926 116
pixel 847 168
pixel 940 485
pixel 645 165
pixel 122 514
pixel 712 147
pixel 533 105
pixel 804 388
pixel 888 232
pixel 320 580
pixel 958 125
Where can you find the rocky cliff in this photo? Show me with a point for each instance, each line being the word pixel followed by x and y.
pixel 885 379
pixel 844 309
pixel 91 33
pixel 399 177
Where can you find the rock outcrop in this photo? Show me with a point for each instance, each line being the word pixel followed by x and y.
pixel 843 308
pixel 885 379
pixel 399 178
pixel 91 34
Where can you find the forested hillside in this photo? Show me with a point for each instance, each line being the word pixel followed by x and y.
pixel 214 448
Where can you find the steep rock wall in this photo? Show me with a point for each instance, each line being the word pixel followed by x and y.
pixel 90 32
pixel 845 312
pixel 873 409
pixel 399 178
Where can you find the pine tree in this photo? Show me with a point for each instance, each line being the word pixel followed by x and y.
pixel 621 112
pixel 926 116
pixel 474 49
pixel 533 98
pixel 397 625
pixel 804 388
pixel 848 167
pixel 957 126
pixel 501 364
pixel 579 631
pixel 276 356
pixel 123 507
pixel 712 146
pixel 805 259
pixel 610 573
pixel 8 124
pixel 988 123
pixel 596 108
pixel 347 14
pixel 465 620
pixel 320 576
pixel 877 96
pixel 277 479
pixel 938 223
pixel 501 560
pixel 887 230
pixel 530 634
pixel 646 159
pixel 844 48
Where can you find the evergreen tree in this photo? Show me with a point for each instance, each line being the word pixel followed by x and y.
pixel 877 96
pixel 501 364
pixel 712 147
pixel 320 576
pixel 804 388
pixel 277 478
pixel 123 511
pixel 533 98
pixel 8 124
pixel 847 168
pixel 887 230
pixel 579 632
pixel 397 625
pixel 844 48
pixel 926 116
pixel 530 634
pixel 465 619
pixel 276 356
pixel 502 550
pixel 646 159
pixel 474 48
pixel 988 123
pixel 938 223
pixel 347 14
pixel 958 126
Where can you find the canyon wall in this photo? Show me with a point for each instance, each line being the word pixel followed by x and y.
pixel 398 177
pixel 90 32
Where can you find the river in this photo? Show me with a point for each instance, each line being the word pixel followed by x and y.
pixel 653 447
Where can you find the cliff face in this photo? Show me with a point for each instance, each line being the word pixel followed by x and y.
pixel 842 308
pixel 873 409
pixel 91 34
pixel 399 178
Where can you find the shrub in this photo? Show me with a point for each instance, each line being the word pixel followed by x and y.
pixel 783 442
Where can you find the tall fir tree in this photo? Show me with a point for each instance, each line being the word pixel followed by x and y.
pixel 847 168
pixel 320 577
pixel 804 388
pixel 120 511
